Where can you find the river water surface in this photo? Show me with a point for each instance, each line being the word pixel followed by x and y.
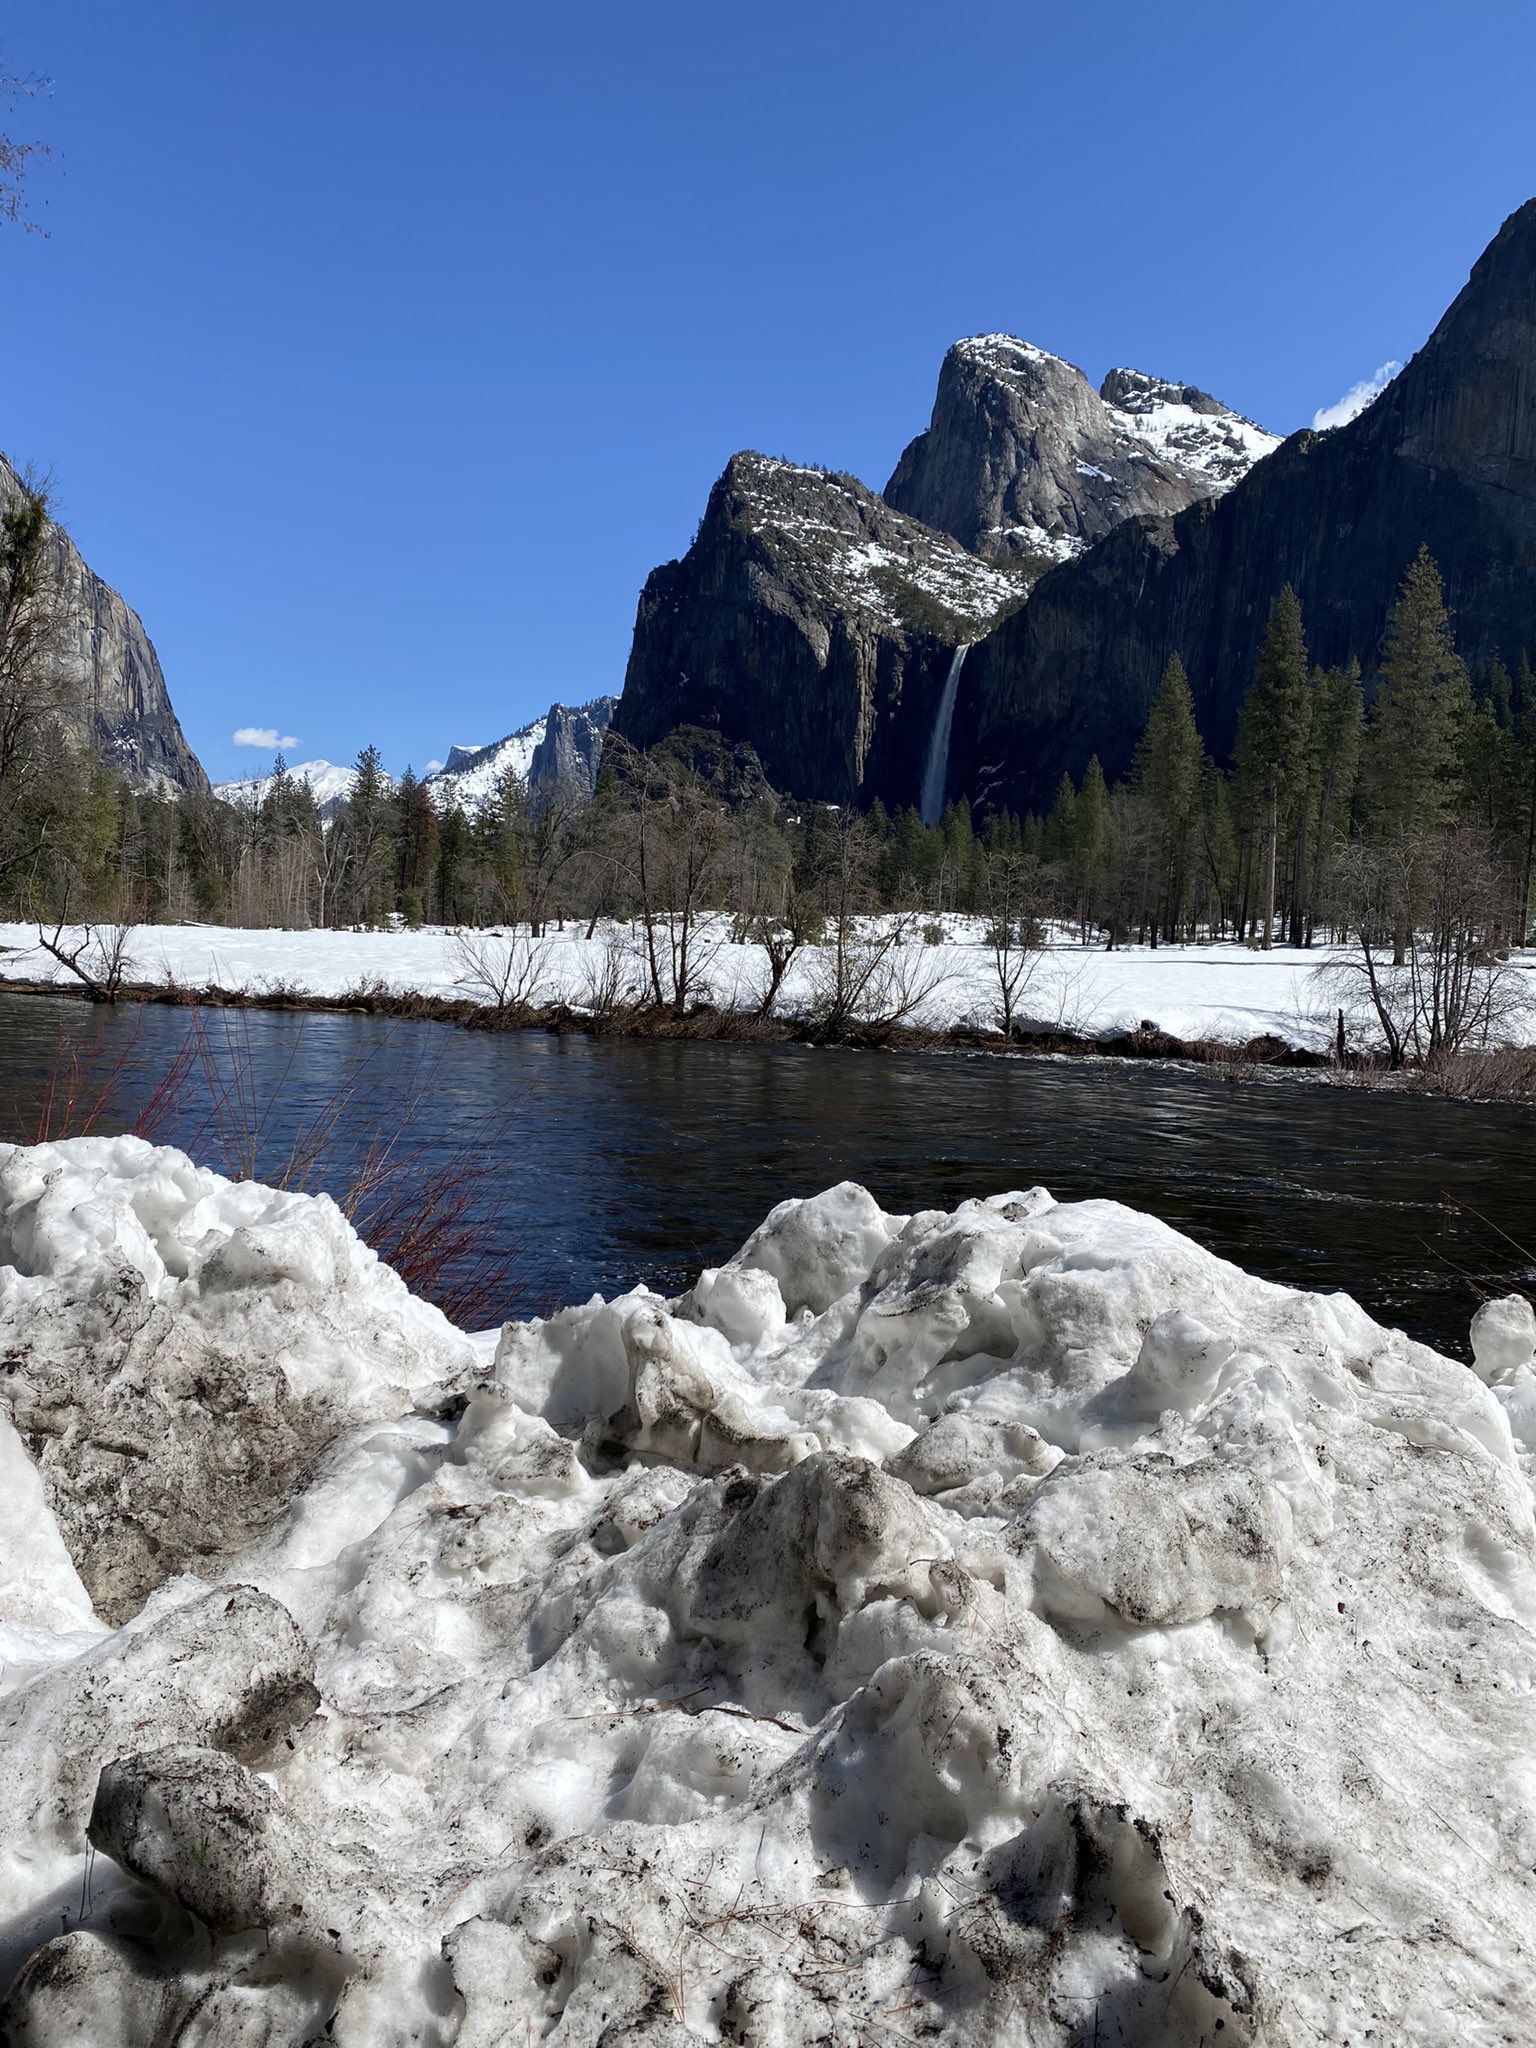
pixel 615 1160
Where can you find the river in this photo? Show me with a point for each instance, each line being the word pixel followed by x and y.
pixel 603 1162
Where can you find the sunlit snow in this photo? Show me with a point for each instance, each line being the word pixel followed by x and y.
pixel 1006 1625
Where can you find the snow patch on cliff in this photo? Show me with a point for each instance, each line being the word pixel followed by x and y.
pixel 1188 430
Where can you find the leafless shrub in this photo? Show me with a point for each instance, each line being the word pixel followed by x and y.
pixel 870 977
pixel 79 1092
pixel 1505 1073
pixel 609 986
pixel 506 970
pixel 431 1207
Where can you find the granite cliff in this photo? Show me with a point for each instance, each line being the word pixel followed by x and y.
pixel 113 693
pixel 814 622
pixel 817 622
pixel 1445 456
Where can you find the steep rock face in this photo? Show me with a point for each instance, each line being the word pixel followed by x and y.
pixel 115 698
pixel 1025 460
pixel 557 756
pixel 812 621
pixel 566 760
pixel 1446 456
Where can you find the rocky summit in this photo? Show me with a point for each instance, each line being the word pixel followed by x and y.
pixel 1024 460
pixel 113 693
pixel 556 757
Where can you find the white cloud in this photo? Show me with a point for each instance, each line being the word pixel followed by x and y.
pixel 265 736
pixel 1355 399
pixel 431 767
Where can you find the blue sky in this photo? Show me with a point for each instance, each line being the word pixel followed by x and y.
pixel 379 352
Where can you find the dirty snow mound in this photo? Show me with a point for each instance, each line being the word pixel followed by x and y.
pixel 179 1349
pixel 1013 1625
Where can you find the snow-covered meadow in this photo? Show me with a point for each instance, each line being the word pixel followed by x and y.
pixel 1224 991
pixel 1008 1626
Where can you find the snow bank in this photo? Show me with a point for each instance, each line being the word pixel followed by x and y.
pixel 1013 1625
pixel 181 1348
pixel 1208 991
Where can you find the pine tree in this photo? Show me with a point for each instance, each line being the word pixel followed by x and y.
pixel 1271 755
pixel 1494 693
pixel 1057 834
pixel 416 855
pixel 1338 717
pixel 1091 848
pixel 1166 776
pixel 366 829
pixel 1413 745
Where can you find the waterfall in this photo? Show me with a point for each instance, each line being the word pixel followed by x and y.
pixel 936 769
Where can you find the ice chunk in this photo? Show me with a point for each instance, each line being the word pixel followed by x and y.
pixel 1503 1339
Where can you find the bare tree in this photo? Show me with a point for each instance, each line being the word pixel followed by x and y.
pixel 1424 959
pixel 17 158
pixel 1011 889
pixel 782 936
pixel 95 954
pixel 669 848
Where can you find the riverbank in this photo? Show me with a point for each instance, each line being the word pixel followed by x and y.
pixel 1218 1005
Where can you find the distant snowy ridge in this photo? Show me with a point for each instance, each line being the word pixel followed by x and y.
pixel 556 755
pixel 327 783
pixel 560 749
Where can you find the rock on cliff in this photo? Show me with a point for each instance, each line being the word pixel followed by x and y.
pixel 814 622
pixel 1024 459
pixel 1446 456
pixel 115 698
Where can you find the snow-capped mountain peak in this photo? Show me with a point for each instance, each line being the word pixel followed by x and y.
pixel 1007 348
pixel 327 783
pixel 471 774
pixel 558 752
